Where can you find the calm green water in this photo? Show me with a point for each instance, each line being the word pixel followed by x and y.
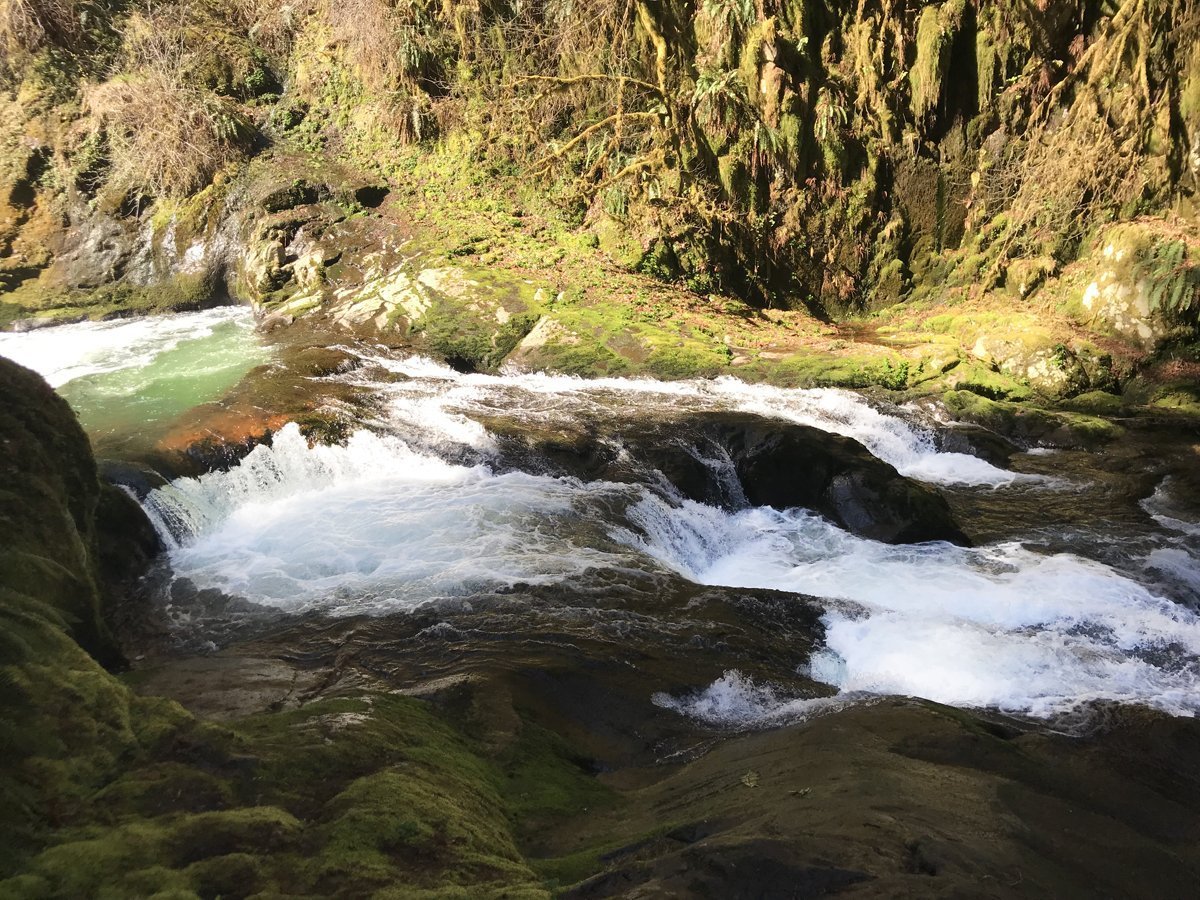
pixel 128 377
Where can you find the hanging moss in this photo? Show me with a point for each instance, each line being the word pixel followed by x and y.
pixel 936 31
pixel 985 66
pixel 925 77
pixel 1189 95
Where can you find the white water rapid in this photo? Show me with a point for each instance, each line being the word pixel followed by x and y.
pixel 381 525
pixel 412 510
pixel 67 352
pixel 126 374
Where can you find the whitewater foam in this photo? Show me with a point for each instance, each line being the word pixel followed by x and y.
pixel 373 526
pixel 386 523
pixel 998 626
pixel 65 353
pixel 907 446
pixel 737 702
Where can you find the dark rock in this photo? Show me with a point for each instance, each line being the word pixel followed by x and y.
pixel 371 195
pixel 974 440
pixel 299 193
pixel 786 465
pixel 141 480
pixel 734 460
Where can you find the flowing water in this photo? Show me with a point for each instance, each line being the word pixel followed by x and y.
pixel 424 508
pixel 128 374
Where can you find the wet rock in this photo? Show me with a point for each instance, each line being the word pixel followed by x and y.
pixel 975 440
pixel 787 465
pixel 736 460
pixel 1029 426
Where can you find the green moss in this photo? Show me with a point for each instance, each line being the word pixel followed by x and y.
pixel 936 30
pixel 1090 430
pixel 1096 403
pixel 542 781
pixel 586 357
pixel 808 369
pixel 112 858
pixel 1181 401
pixel 232 875
pixel 986 68
pixel 1031 424
pixel 980 410
pixel 688 361
pixel 988 383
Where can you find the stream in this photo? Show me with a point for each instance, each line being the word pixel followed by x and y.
pixel 1082 586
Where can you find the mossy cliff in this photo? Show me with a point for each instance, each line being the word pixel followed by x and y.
pixel 675 189
pixel 828 155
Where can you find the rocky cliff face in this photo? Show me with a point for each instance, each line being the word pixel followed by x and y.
pixel 843 158
pixel 1000 195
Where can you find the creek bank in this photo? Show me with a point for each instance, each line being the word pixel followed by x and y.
pixel 452 270
pixel 688 809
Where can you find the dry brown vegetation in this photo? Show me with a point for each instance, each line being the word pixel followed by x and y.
pixel 29 25
pixel 1099 141
pixel 165 133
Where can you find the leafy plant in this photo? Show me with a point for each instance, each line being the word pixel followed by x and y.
pixel 719 102
pixel 731 17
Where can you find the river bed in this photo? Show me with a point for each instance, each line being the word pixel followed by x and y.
pixel 1082 586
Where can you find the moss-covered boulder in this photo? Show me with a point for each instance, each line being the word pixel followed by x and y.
pixel 66 721
pixel 1142 283
pixel 108 793
pixel 1029 425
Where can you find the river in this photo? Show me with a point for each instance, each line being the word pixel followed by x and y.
pixel 1072 593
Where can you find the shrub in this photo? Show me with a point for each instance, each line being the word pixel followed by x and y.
pixel 29 25
pixel 166 133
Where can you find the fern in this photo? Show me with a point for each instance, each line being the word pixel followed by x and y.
pixel 720 103
pixel 769 147
pixel 616 201
pixel 732 17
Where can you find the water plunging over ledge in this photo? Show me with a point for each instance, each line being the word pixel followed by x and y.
pixel 420 510
pixel 427 507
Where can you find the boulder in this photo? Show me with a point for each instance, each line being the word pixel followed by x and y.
pixel 785 465
pixel 735 460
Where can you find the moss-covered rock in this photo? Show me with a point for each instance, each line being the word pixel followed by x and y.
pixel 108 793
pixel 1142 284
pixel 1030 425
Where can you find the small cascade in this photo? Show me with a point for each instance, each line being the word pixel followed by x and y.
pixel 996 626
pixel 421 506
pixel 545 398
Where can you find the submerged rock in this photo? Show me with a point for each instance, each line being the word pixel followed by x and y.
pixel 736 460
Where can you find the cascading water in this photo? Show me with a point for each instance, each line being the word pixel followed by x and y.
pixel 377 525
pixel 416 509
